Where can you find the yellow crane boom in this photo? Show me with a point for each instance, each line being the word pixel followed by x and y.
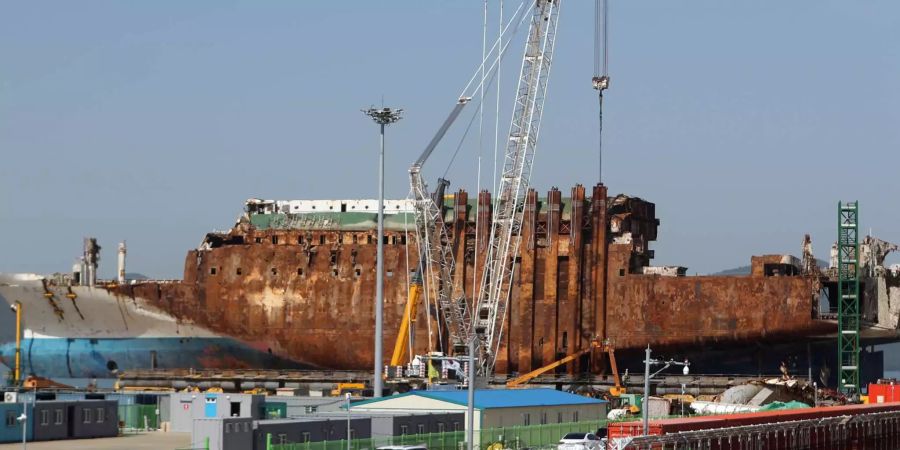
pixel 409 316
pixel 616 391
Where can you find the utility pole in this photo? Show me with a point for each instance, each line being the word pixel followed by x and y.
pixel 383 116
pixel 348 421
pixel 645 411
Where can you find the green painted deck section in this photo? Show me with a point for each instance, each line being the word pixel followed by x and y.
pixel 346 221
pixel 364 221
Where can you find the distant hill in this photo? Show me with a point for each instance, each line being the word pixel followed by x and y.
pixel 745 270
pixel 136 276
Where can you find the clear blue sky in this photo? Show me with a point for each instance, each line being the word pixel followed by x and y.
pixel 745 122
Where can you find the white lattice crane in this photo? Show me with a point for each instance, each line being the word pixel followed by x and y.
pixel 493 295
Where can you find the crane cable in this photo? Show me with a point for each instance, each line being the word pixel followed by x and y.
pixel 601 71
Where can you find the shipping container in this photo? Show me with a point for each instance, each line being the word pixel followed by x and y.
pixel 884 393
pixel 11 428
pixel 93 418
pixel 51 420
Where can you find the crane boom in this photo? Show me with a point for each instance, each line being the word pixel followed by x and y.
pixel 437 262
pixel 494 293
pixel 610 351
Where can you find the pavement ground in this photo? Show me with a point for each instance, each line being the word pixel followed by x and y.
pixel 153 440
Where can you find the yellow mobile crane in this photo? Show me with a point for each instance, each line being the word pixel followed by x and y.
pixel 409 317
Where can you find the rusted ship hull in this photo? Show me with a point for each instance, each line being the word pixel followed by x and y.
pixel 305 283
pixel 292 285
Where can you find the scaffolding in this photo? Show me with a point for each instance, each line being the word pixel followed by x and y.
pixel 848 298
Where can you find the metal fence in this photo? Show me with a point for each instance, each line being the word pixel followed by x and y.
pixel 138 417
pixel 516 437
pixel 865 431
pixel 534 436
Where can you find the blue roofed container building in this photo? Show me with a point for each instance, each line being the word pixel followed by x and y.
pixel 496 408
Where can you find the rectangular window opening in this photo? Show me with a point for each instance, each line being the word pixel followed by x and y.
pixel 100 415
pixel 87 415
pixel 275 240
pixel 300 271
pixel 274 271
pixel 305 437
pixel 212 270
pixel 404 430
pixel 237 271
pixel 59 417
pixel 45 417
pixel 322 240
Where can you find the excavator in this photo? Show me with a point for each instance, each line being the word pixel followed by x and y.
pixel 619 398
pixel 615 391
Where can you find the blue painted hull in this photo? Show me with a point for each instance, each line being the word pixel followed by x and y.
pixel 89 358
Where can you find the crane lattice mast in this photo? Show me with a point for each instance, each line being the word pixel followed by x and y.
pixel 436 258
pixel 494 293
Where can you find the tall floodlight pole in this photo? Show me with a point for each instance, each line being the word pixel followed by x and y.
pixel 383 116
pixel 470 404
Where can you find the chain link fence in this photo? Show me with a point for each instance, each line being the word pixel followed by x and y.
pixel 516 437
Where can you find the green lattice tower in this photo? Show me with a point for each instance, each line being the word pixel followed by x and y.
pixel 848 298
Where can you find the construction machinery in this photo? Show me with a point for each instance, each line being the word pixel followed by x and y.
pixel 615 391
pixel 492 299
pixel 343 388
pixel 482 321
pixel 409 319
pixel 434 276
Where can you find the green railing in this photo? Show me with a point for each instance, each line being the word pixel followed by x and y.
pixel 532 436
pixel 515 437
